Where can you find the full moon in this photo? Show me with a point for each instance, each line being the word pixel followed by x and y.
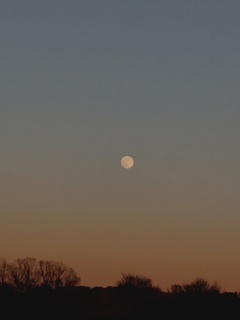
pixel 127 162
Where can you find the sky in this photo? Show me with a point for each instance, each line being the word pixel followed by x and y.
pixel 84 83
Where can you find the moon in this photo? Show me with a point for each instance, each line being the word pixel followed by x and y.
pixel 127 162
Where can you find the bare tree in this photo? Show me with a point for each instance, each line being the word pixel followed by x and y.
pixel 24 274
pixel 47 271
pixel 201 285
pixel 3 271
pixel 56 274
pixel 197 285
pixel 135 281
pixel 60 270
pixel 176 288
pixel 71 278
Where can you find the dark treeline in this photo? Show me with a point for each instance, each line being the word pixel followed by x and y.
pixel 32 289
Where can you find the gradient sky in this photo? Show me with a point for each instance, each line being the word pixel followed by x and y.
pixel 83 83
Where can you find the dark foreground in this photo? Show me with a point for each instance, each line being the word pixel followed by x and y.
pixel 117 303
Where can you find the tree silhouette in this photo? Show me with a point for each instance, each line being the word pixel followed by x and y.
pixel 201 285
pixel 26 273
pixel 133 297
pixel 176 288
pixel 56 274
pixel 197 285
pixel 3 272
pixel 135 281
pixel 23 273
pixel 71 278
